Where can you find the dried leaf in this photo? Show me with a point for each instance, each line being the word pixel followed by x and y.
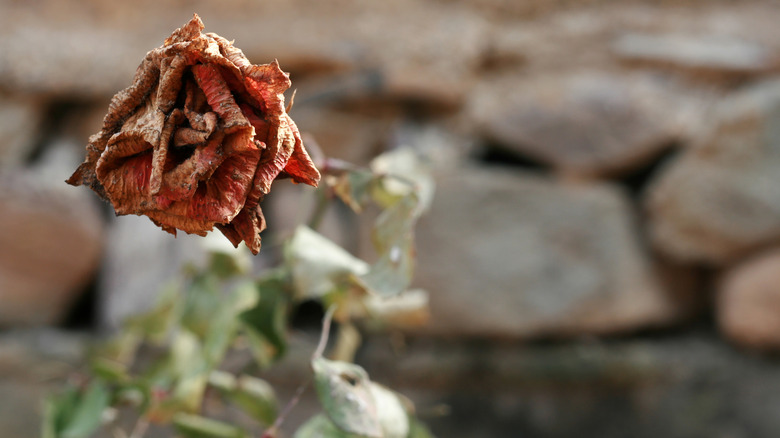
pixel 353 188
pixel 406 173
pixel 392 417
pixel 319 266
pixel 197 139
pixel 394 240
pixel 407 309
pixel 345 393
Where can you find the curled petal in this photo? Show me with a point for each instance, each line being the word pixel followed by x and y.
pixel 300 166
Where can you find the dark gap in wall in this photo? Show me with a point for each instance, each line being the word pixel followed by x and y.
pixel 637 181
pixel 307 316
pixel 55 116
pixel 497 154
pixel 83 313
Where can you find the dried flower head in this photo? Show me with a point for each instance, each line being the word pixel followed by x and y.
pixel 197 139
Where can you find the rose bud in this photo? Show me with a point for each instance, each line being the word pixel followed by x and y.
pixel 197 139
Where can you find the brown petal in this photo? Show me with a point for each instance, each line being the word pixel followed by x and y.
pixel 182 181
pixel 221 198
pixel 160 154
pixel 219 97
pixel 279 147
pixel 187 32
pixel 247 227
pixel 300 166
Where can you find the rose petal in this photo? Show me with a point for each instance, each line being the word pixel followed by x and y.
pixel 182 181
pixel 219 97
pixel 300 166
pixel 208 162
pixel 246 227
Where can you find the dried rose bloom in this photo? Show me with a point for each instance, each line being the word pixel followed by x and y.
pixel 197 139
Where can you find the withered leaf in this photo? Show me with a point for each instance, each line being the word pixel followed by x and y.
pixel 197 139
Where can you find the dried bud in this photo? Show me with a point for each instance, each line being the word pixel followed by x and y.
pixel 197 139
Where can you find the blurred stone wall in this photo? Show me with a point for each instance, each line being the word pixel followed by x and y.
pixel 602 251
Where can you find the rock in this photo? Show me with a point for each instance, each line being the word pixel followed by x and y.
pixel 51 238
pixel 719 199
pixel 67 48
pixel 33 365
pixel 291 205
pixel 520 256
pixel 716 55
pixel 585 123
pixel 690 385
pixel 748 305
pixel 351 137
pixel 19 122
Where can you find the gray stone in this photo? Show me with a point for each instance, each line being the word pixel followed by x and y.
pixel 748 305
pixel 708 54
pixel 141 260
pixel 33 365
pixel 584 123
pixel 689 385
pixel 719 200
pixel 351 137
pixel 519 256
pixel 19 123
pixel 51 239
pixel 94 50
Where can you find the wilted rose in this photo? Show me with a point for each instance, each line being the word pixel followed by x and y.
pixel 197 139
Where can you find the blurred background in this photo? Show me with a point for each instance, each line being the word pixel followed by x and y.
pixel 601 253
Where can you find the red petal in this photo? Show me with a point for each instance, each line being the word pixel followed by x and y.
pixel 247 227
pixel 219 96
pixel 300 166
pixel 225 193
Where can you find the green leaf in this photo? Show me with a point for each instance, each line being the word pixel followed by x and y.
pixel 200 301
pixel 225 321
pixel 111 371
pixel 319 266
pixel 225 261
pixel 255 396
pixel 223 381
pixel 418 430
pixel 195 426
pixel 344 391
pixel 320 426
pixel 88 413
pixel 58 410
pixel 268 317
pixel 190 369
pixel 226 265
pixel 263 352
pixel 154 324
